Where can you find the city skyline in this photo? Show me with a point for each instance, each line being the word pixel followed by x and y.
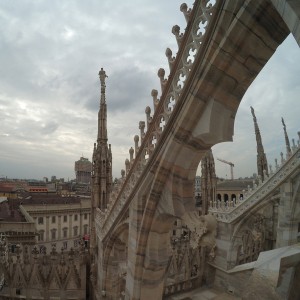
pixel 51 55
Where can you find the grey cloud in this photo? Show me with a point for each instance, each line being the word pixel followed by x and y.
pixel 49 128
pixel 50 55
pixel 126 90
pixel 129 89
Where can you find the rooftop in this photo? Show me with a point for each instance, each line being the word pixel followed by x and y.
pixel 35 199
pixel 236 184
pixel 10 213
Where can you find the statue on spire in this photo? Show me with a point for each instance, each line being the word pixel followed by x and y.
pixel 102 76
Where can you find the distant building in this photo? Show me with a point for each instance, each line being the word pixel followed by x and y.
pixel 232 189
pixel 83 169
pixel 16 225
pixel 7 191
pixel 63 221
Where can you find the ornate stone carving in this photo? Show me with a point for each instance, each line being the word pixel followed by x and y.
pixel 202 228
pixel 93 275
pixel 39 270
pixel 252 240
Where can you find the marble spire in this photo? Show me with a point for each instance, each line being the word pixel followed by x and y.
pixel 287 141
pixel 102 115
pixel 262 163
pixel 208 180
pixel 103 163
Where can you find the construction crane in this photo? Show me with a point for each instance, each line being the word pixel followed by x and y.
pixel 230 164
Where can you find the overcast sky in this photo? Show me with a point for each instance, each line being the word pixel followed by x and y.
pixel 50 56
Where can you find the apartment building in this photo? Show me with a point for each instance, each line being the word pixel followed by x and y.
pixel 63 221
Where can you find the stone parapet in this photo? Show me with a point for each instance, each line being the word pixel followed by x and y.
pixel 230 211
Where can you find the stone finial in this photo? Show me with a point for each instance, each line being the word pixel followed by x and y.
pixel 171 59
pixel 178 35
pixel 131 152
pixel 18 252
pixel 53 253
pixel 148 117
pixel 282 159
pixel 271 170
pixel 123 173
pixel 71 254
pixel 187 12
pixel 127 165
pixel 260 180
pixel 154 94
pixel 136 144
pixel 265 175
pixel 294 147
pixel 142 130
pixel 26 255
pixel 161 74
pixel 287 141
pixel 35 252
pixel 3 250
pixel 62 257
pixel 222 203
pixel 276 164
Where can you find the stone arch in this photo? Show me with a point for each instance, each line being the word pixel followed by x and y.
pixel 170 196
pixel 243 39
pixel 289 212
pixel 119 240
pixel 290 15
pixel 158 250
pixel 296 201
pixel 153 239
pixel 244 228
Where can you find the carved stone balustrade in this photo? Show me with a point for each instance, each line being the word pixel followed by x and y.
pixel 229 212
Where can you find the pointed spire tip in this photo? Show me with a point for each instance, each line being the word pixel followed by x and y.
pixel 252 111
